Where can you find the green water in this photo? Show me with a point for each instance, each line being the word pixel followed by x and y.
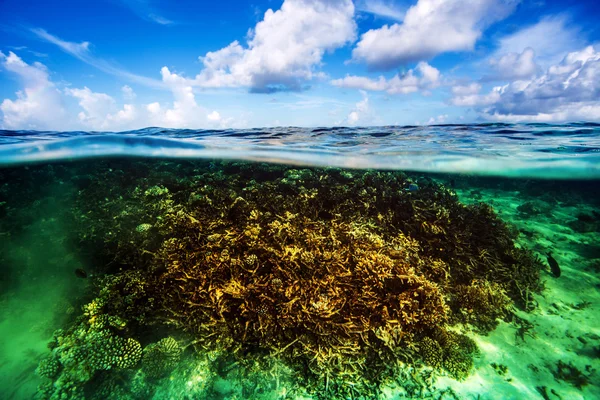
pixel 86 247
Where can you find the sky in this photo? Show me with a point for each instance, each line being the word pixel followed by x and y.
pixel 115 65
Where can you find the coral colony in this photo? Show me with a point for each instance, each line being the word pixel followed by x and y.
pixel 325 282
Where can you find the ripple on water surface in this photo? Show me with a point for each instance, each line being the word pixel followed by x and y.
pixel 526 150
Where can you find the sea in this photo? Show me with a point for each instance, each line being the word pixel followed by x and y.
pixel 392 262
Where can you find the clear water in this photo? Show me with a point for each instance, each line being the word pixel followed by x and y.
pixel 292 263
pixel 515 150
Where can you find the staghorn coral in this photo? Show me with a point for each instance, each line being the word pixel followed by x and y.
pixel 341 274
pixel 161 357
pixel 481 303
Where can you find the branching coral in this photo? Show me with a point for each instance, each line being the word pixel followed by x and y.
pixel 450 351
pixel 161 357
pixel 341 274
pixel 481 303
pixel 93 344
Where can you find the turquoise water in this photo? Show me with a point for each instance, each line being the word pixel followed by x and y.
pixel 515 150
pixel 446 262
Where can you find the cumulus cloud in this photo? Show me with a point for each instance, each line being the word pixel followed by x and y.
pixel 360 112
pixel 99 110
pixel 423 77
pixel 284 50
pixel 569 90
pixel 514 66
pixel 469 96
pixel 440 119
pixel 128 93
pixel 551 38
pixel 96 106
pixel 39 104
pixel 430 27
pixel 185 112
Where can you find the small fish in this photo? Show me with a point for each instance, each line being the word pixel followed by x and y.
pixel 553 265
pixel 80 273
pixel 413 187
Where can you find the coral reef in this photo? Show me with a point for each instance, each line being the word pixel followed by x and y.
pixel 342 276
pixel 92 344
pixel 450 351
pixel 481 303
pixel 161 357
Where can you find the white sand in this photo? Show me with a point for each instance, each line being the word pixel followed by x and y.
pixel 562 332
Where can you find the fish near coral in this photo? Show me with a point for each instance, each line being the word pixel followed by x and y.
pixel 554 267
pixel 80 273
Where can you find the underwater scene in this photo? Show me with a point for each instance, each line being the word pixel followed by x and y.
pixel 440 262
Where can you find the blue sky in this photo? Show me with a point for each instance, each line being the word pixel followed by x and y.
pixel 126 64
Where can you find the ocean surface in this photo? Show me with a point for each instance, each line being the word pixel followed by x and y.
pixel 526 150
pixel 400 262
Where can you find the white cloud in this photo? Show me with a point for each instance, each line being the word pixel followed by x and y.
pixel 514 66
pixel 285 49
pixel 441 119
pixel 551 38
pixel 127 118
pixel 361 112
pixel 146 11
pixel 96 106
pixel 383 9
pixel 423 77
pixel 39 104
pixel 469 96
pixel 100 110
pixel 214 116
pixel 128 93
pixel 82 52
pixel 429 28
pixel 569 90
pixel 185 111
pixel 466 90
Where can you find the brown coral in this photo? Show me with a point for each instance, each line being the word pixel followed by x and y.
pixel 481 303
pixel 341 276
pixel 161 357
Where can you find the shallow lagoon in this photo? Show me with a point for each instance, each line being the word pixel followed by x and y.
pixel 146 277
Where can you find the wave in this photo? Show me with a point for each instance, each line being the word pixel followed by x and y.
pixel 512 150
